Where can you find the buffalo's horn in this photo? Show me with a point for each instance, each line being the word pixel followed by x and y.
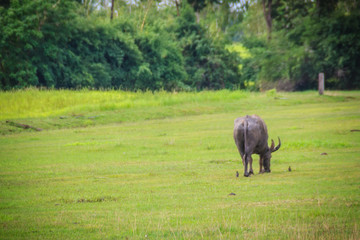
pixel 274 149
pixel 272 145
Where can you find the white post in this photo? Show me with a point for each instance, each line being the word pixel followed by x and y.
pixel 321 83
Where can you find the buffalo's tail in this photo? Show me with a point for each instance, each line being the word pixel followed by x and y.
pixel 245 136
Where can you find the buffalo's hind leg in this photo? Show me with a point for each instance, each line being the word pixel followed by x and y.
pixel 248 159
pixel 241 148
pixel 243 159
pixel 251 169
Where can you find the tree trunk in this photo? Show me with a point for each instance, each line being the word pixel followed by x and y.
pixel 147 10
pixel 197 14
pixel 177 7
pixel 267 14
pixel 112 10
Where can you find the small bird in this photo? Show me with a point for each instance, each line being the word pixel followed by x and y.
pixel 289 169
pixel 237 174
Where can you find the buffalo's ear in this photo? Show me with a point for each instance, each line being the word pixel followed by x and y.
pixel 272 145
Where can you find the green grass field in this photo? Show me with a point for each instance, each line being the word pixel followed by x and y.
pixel 120 165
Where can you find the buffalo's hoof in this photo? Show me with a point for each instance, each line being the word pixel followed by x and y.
pixel 246 175
pixel 251 172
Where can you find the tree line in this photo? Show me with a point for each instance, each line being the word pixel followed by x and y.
pixel 179 45
pixel 302 39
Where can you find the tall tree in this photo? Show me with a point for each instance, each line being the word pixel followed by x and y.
pixel 146 13
pixel 177 7
pixel 199 5
pixel 112 10
pixel 324 7
pixel 267 15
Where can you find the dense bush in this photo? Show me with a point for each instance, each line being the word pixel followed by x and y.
pixel 335 46
pixel 208 63
pixel 306 40
pixel 151 45
pixel 52 44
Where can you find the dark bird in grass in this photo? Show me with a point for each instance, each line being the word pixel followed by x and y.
pixel 289 169
pixel 237 174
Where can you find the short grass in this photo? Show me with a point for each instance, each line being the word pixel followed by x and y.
pixel 163 165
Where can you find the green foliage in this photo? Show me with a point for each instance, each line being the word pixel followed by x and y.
pixel 240 49
pixel 198 5
pixel 309 39
pixel 337 48
pixel 271 93
pixel 152 45
pixel 208 63
pixel 54 44
pixel 164 64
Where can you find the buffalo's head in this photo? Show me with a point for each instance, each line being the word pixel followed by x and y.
pixel 267 156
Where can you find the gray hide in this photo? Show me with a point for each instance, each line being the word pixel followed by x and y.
pixel 251 137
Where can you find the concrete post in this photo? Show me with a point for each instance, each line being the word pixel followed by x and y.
pixel 321 83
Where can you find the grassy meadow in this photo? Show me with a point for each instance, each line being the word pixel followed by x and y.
pixel 123 165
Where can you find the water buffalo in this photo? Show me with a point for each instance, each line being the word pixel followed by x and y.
pixel 251 137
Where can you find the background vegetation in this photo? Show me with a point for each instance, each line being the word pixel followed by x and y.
pixel 131 171
pixel 179 45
